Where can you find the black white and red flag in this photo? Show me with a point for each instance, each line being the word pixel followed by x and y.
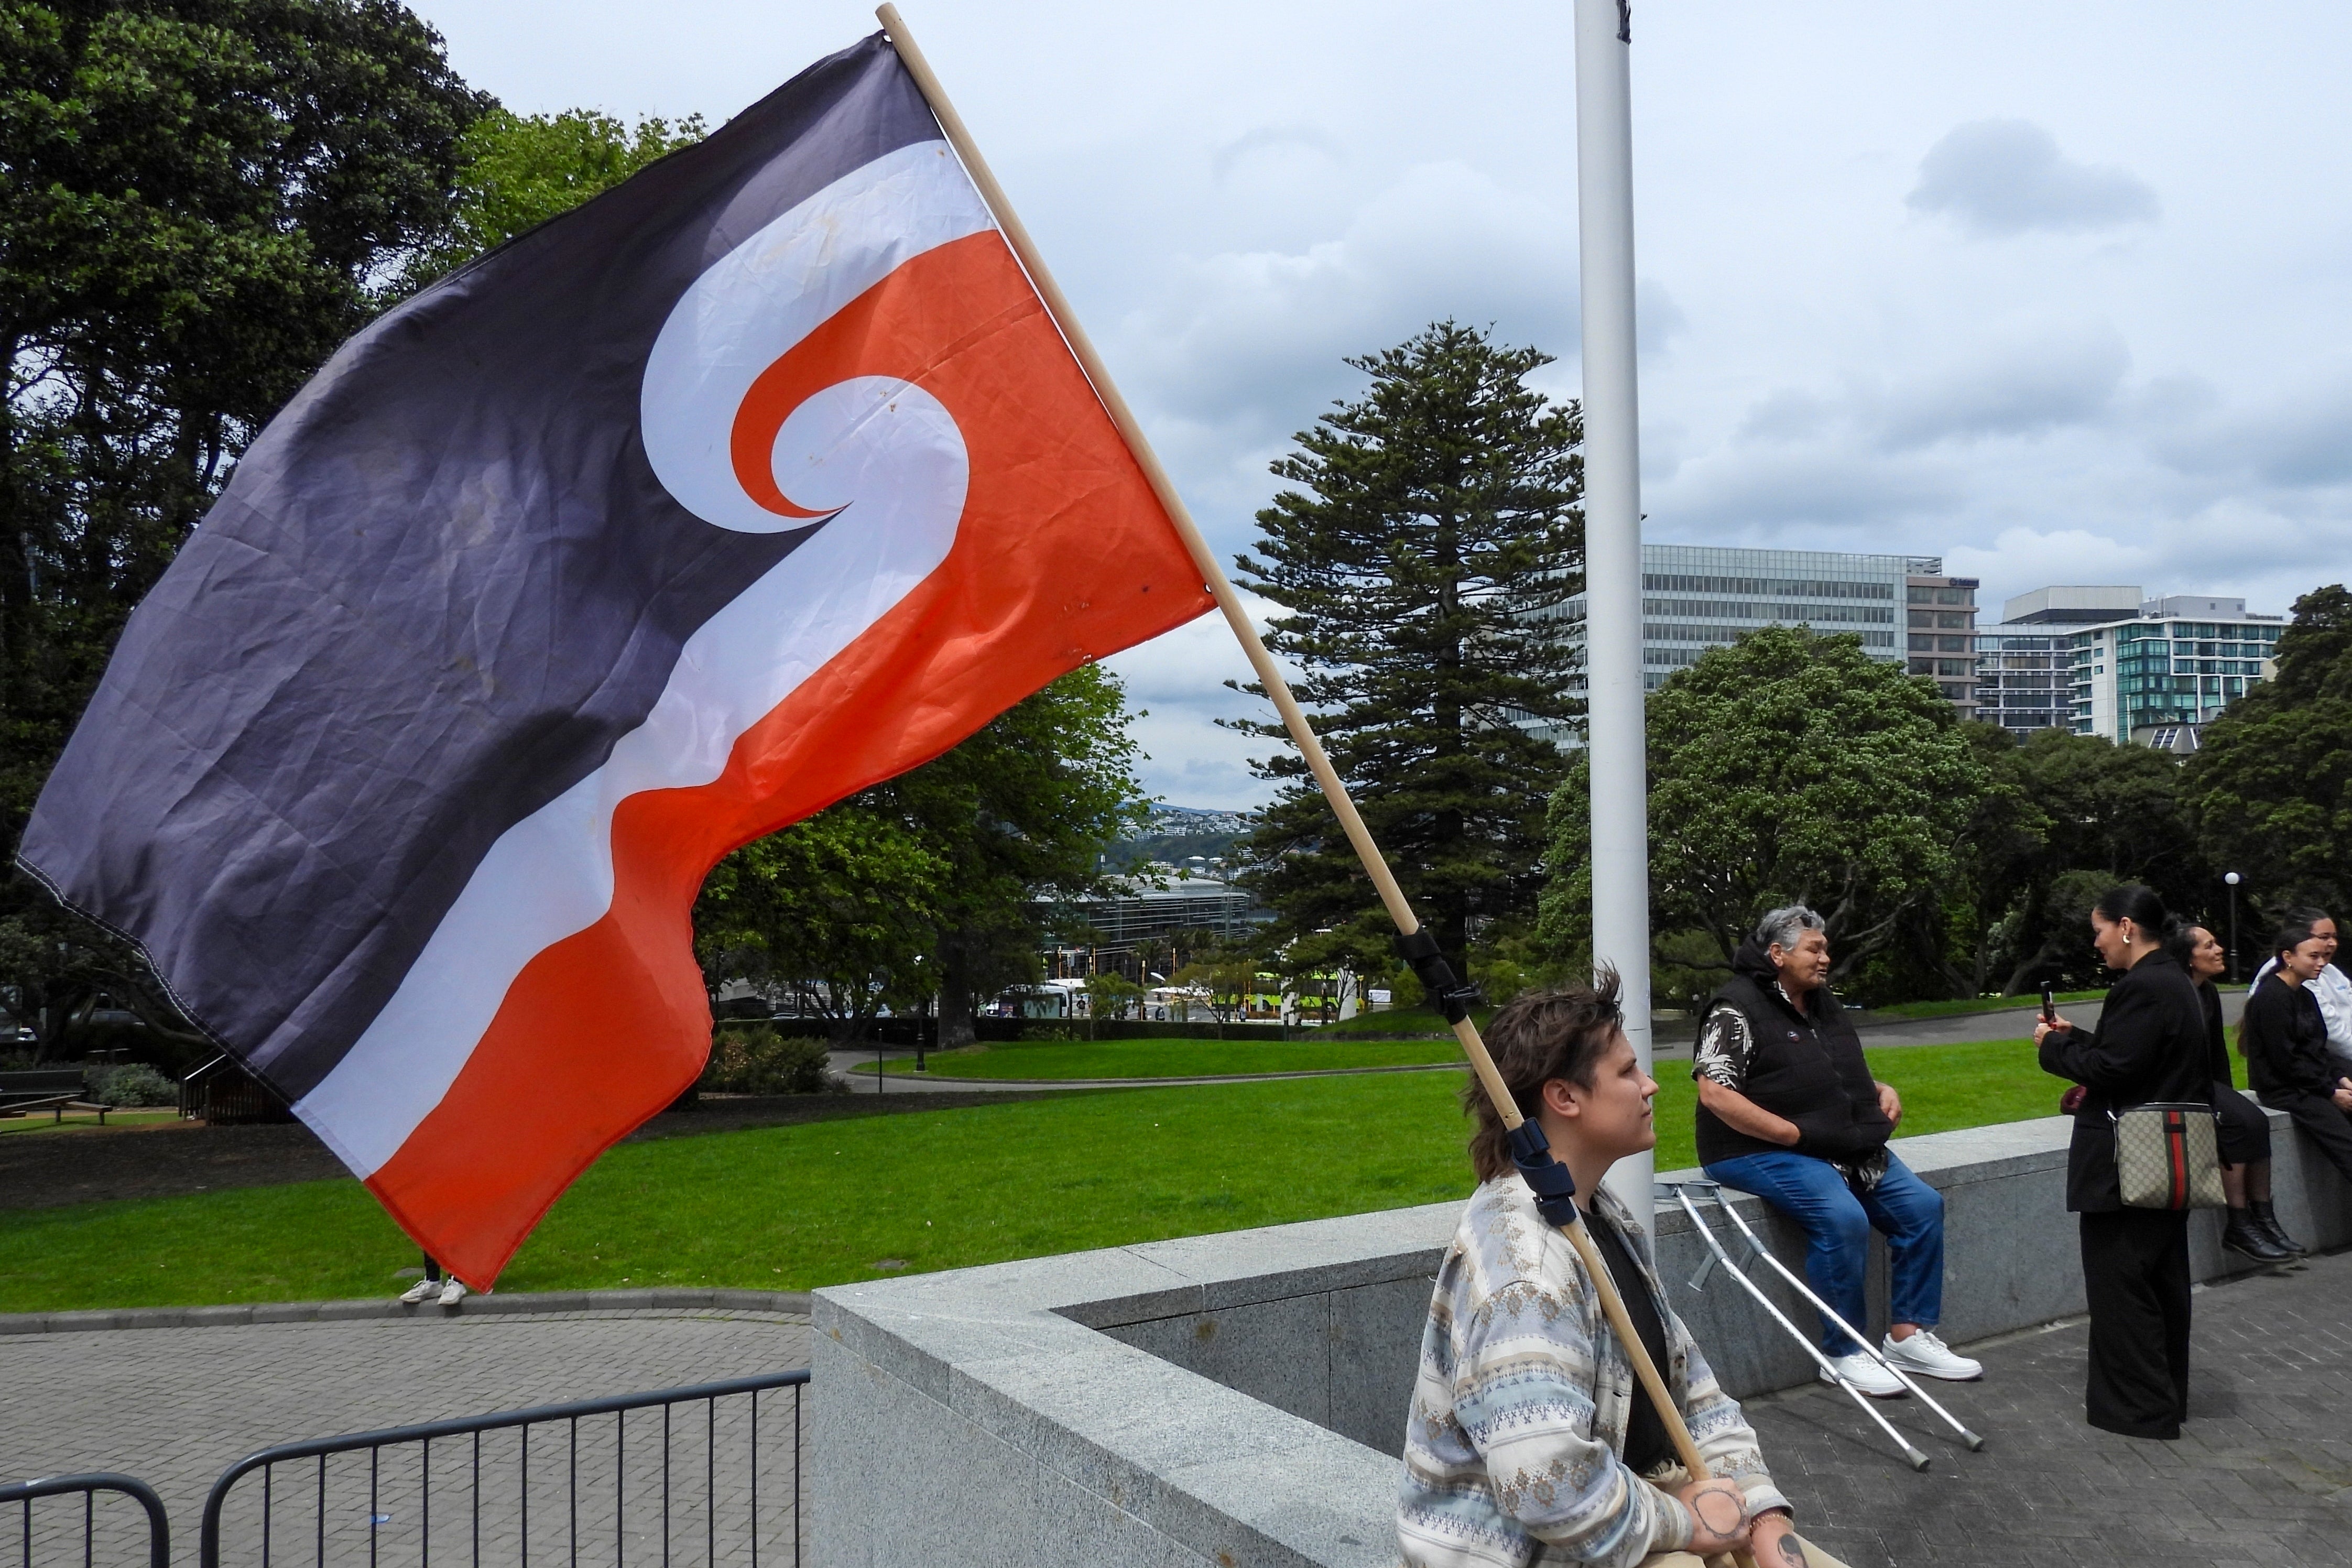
pixel 758 479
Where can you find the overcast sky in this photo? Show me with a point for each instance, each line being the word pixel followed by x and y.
pixel 2061 293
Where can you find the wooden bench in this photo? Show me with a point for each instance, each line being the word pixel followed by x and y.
pixel 52 1089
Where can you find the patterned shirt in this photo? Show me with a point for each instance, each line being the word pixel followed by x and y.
pixel 1520 1411
pixel 1725 1044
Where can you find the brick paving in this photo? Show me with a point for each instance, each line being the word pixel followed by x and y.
pixel 2262 1473
pixel 177 1406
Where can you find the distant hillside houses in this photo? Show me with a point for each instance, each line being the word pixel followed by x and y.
pixel 1170 820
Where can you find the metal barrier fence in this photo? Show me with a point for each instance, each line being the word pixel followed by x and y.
pixel 709 1434
pixel 24 1493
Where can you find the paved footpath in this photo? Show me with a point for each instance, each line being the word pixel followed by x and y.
pixel 2262 1473
pixel 177 1406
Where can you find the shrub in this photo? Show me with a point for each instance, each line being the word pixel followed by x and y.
pixel 757 1060
pixel 133 1083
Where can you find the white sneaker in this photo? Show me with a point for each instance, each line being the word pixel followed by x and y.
pixel 1924 1354
pixel 1865 1375
pixel 453 1292
pixel 420 1291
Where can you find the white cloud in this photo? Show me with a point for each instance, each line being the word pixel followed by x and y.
pixel 1249 342
pixel 2122 386
pixel 1178 678
pixel 2001 177
pixel 2025 387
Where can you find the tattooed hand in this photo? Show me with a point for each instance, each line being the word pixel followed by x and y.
pixel 1718 1516
pixel 1773 1543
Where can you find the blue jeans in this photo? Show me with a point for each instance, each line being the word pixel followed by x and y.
pixel 1837 1229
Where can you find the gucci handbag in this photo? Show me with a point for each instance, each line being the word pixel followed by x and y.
pixel 2168 1157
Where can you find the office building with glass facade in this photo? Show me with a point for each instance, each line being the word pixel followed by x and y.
pixel 1698 597
pixel 2158 678
pixel 2025 661
pixel 2100 660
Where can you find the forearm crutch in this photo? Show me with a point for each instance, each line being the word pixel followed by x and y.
pixel 1911 1454
pixel 1974 1443
pixel 1755 1243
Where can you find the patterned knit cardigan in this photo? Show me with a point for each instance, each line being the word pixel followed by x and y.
pixel 1512 1455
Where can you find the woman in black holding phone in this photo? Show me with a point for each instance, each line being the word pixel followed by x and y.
pixel 2150 1047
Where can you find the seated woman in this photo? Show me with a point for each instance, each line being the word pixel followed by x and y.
pixel 2252 1230
pixel 2285 1040
pixel 1787 1110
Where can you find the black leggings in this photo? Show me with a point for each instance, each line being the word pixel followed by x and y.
pixel 2324 1121
pixel 2245 1131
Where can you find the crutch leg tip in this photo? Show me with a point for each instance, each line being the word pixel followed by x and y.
pixel 1919 1460
pixel 1975 1443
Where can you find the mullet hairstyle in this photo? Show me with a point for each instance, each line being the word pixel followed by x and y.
pixel 1534 1040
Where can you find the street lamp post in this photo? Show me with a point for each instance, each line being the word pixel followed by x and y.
pixel 2232 879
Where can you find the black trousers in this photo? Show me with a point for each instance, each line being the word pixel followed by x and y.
pixel 2324 1121
pixel 2244 1134
pixel 2136 1271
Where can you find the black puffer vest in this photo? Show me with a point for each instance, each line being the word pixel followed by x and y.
pixel 1805 1066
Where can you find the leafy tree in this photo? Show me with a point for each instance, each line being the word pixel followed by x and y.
pixel 2109 813
pixel 203 198
pixel 1227 974
pixel 1021 813
pixel 1787 768
pixel 940 881
pixel 1110 996
pixel 1434 530
pixel 1954 944
pixel 519 170
pixel 59 967
pixel 2270 787
pixel 836 907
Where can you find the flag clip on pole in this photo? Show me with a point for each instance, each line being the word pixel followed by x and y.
pixel 1555 1188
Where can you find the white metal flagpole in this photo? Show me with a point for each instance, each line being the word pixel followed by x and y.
pixel 1614 735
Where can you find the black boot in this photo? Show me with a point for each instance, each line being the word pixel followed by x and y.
pixel 2245 1238
pixel 2265 1218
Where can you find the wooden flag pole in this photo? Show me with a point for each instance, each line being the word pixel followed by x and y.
pixel 1277 690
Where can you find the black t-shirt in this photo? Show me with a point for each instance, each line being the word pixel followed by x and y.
pixel 1646 1444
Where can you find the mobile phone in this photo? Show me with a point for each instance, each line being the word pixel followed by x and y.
pixel 2049 1006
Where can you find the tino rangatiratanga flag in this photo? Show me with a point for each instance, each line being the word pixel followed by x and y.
pixel 756 481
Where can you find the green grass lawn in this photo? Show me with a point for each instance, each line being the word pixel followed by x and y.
pixel 1989 1004
pixel 43 1122
pixel 825 1203
pixel 1172 1058
pixel 1978 1005
pixel 1402 1021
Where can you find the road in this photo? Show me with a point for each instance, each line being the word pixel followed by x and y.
pixel 1671 1043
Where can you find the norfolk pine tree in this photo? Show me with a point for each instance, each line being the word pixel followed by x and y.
pixel 1432 540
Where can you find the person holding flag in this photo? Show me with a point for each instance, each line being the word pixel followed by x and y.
pixel 1528 1438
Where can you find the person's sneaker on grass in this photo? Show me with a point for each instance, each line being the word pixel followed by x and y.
pixel 1924 1355
pixel 1865 1375
pixel 422 1290
pixel 453 1292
